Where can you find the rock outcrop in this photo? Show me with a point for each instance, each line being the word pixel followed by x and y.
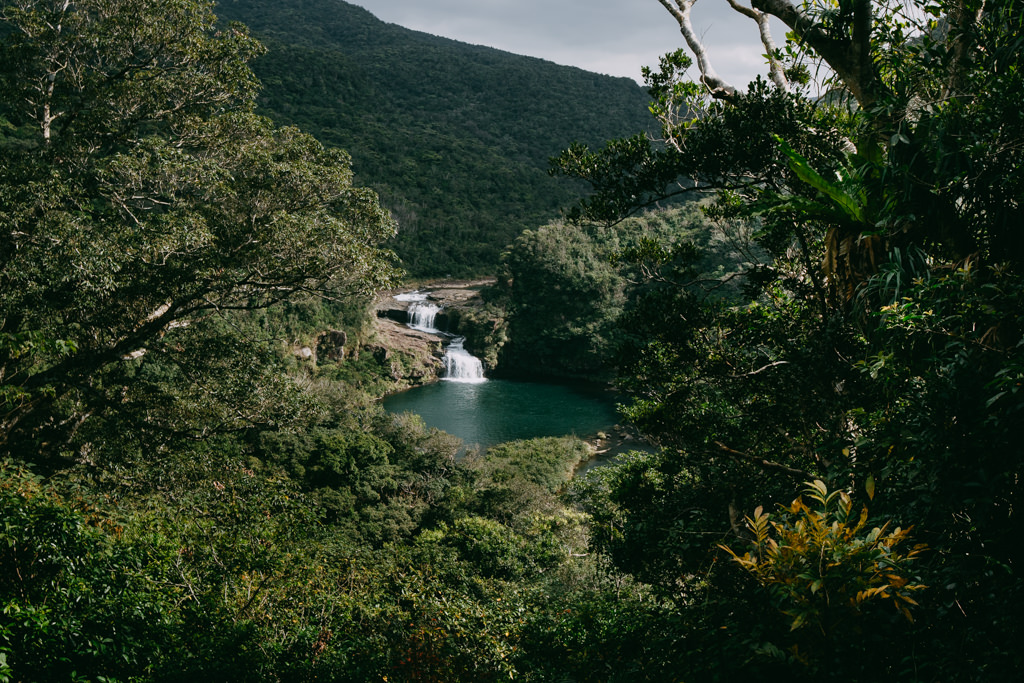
pixel 421 352
pixel 450 296
pixel 330 345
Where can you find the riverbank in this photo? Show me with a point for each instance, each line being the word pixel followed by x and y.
pixel 615 441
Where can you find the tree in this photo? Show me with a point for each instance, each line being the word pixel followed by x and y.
pixel 920 88
pixel 146 207
pixel 880 343
pixel 843 35
pixel 564 298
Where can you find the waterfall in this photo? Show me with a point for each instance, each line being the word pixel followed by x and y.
pixel 422 315
pixel 460 365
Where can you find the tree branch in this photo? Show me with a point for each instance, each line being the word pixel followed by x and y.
pixel 760 370
pixel 775 69
pixel 764 463
pixel 850 57
pixel 718 87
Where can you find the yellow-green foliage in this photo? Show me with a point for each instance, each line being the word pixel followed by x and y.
pixel 822 564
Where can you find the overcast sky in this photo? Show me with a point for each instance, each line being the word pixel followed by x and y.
pixel 615 37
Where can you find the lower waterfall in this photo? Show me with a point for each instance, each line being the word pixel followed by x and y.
pixel 460 365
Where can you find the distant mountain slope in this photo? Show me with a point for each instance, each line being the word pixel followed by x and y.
pixel 455 137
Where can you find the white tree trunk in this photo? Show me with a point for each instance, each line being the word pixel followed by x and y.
pixel 775 69
pixel 680 10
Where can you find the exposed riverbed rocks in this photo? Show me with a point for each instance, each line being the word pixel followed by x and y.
pixel 450 296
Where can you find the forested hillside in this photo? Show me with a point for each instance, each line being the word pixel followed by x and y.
pixel 456 138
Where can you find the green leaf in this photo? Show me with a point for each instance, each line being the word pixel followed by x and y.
pixel 852 206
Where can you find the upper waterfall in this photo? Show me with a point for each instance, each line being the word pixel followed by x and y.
pixel 422 315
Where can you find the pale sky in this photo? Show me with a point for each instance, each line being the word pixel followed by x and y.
pixel 615 37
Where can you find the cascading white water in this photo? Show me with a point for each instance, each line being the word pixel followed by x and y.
pixel 416 295
pixel 422 315
pixel 460 365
